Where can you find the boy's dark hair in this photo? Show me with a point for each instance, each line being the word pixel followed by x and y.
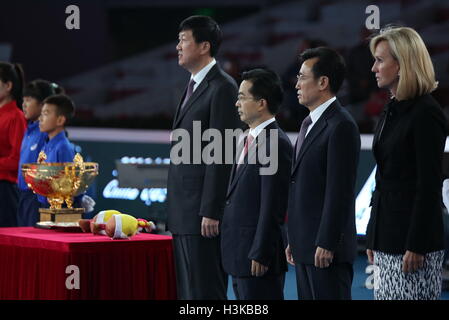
pixel 330 64
pixel 267 85
pixel 64 106
pixel 203 28
pixel 41 89
pixel 14 73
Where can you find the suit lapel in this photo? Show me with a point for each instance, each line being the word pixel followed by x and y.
pixel 400 108
pixel 196 94
pixel 234 165
pixel 316 130
pixel 251 157
pixel 231 179
pixel 380 126
pixel 238 171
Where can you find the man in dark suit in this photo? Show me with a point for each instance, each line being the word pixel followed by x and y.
pixel 252 241
pixel 321 210
pixel 196 190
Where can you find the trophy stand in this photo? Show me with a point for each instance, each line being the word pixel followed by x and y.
pixel 61 215
pixel 58 214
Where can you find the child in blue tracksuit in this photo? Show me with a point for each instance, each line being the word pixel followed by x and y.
pixel 56 112
pixel 33 141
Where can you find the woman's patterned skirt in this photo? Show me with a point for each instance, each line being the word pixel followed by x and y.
pixel 390 283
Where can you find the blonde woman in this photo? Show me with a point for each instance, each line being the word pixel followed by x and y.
pixel 405 231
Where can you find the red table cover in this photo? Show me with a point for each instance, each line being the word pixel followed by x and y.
pixel 33 265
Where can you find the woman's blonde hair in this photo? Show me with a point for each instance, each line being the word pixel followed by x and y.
pixel 417 76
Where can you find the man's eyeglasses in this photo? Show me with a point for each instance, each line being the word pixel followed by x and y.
pixel 301 77
pixel 242 98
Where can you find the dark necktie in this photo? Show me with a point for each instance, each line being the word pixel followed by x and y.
pixel 302 134
pixel 189 93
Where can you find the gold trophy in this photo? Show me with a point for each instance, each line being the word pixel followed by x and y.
pixel 60 183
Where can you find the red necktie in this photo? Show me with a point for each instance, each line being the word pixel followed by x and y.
pixel 248 141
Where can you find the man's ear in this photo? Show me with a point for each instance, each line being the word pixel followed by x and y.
pixel 263 104
pixel 323 83
pixel 205 47
pixel 61 120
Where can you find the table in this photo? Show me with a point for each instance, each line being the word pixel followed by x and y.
pixel 33 265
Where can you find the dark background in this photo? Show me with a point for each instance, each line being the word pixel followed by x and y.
pixel 114 32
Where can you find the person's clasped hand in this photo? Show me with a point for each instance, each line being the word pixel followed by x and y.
pixel 323 258
pixel 210 227
pixel 258 269
pixel 412 262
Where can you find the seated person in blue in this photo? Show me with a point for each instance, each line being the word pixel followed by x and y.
pixel 56 112
pixel 33 141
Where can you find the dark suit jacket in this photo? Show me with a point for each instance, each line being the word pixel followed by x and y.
pixel 255 210
pixel 406 204
pixel 198 190
pixel 321 210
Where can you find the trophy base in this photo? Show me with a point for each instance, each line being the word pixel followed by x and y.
pixel 61 215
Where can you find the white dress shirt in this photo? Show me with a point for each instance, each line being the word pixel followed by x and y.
pixel 316 114
pixel 199 77
pixel 254 133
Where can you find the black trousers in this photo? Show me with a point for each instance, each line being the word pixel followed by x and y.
pixel 28 211
pixel 199 272
pixel 259 288
pixel 9 198
pixel 332 283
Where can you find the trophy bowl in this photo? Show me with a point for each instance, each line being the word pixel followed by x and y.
pixel 60 183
